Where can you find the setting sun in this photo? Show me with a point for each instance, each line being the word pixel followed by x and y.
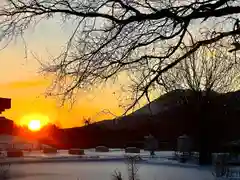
pixel 34 122
pixel 34 125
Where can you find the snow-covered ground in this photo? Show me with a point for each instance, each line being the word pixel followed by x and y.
pixel 103 171
pixel 91 152
pixel 100 166
pixel 162 157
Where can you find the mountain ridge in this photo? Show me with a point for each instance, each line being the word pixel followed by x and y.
pixel 168 101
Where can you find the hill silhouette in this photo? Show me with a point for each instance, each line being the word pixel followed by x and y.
pixel 173 114
pixel 176 113
pixel 162 107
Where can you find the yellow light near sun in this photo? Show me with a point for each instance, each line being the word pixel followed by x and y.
pixel 34 121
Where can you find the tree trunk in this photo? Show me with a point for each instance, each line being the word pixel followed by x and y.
pixel 205 154
pixel 205 158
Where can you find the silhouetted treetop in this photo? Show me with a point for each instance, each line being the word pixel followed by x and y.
pixel 143 38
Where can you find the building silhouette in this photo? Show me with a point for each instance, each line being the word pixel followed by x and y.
pixel 5 103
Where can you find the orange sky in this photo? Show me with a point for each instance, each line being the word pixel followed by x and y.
pixel 20 81
pixel 28 100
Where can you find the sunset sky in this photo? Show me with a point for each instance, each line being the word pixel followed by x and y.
pixel 20 81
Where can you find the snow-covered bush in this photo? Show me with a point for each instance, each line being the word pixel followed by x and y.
pixel 76 151
pixel 49 150
pixel 102 149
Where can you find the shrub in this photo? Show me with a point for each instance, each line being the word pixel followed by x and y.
pixel 102 149
pixel 49 150
pixel 132 167
pixel 132 150
pixel 76 151
pixel 14 153
pixel 117 175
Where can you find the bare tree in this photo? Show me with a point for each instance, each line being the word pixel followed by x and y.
pixel 132 165
pixel 87 121
pixel 141 37
pixel 206 70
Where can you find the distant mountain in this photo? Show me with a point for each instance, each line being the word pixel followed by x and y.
pixel 230 99
pixel 163 103
pixel 166 103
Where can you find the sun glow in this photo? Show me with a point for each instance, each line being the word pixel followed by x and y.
pixel 34 125
pixel 34 122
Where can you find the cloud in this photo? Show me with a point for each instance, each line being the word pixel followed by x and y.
pixel 30 83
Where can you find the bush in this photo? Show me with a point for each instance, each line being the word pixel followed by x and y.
pixel 117 175
pixel 132 150
pixel 76 151
pixel 102 149
pixel 132 169
pixel 49 150
pixel 14 153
